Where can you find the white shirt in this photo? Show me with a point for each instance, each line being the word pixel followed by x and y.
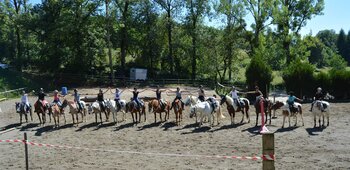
pixel 24 99
pixel 234 94
pixel 117 95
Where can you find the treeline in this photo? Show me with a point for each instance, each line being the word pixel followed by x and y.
pixel 171 38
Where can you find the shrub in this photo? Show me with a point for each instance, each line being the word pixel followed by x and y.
pixel 340 83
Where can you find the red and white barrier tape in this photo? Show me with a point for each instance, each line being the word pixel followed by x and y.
pixel 263 157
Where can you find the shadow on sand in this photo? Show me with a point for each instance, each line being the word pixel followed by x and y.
pixel 168 125
pixel 14 125
pixel 287 129
pixel 253 130
pixel 315 130
pixel 44 129
pixel 127 125
pixel 29 126
pixel 198 130
pixel 230 126
pixel 151 125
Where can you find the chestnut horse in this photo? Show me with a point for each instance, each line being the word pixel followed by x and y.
pixel 40 108
pixel 73 108
pixel 22 110
pixel 134 109
pixel 232 107
pixel 57 112
pixel 155 107
pixel 178 111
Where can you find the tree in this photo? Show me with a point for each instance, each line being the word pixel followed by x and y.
pixel 347 55
pixel 341 43
pixel 196 10
pixel 328 38
pixel 291 16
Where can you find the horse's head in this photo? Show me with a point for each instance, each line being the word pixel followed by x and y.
pixel 223 99
pixel 187 101
pixel 192 111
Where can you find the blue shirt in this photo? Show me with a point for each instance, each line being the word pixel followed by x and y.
pixel 291 99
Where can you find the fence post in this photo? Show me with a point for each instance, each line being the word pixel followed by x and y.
pixel 26 150
pixel 268 142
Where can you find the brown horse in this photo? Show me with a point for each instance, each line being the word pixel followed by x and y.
pixel 266 104
pixel 154 106
pixel 133 109
pixel 232 107
pixel 57 112
pixel 178 111
pixel 40 108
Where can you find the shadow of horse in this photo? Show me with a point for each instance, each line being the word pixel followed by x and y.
pixel 14 125
pixel 127 125
pixel 311 131
pixel 90 125
pixel 230 126
pixel 168 125
pixel 193 125
pixel 253 130
pixel 105 125
pixel 44 129
pixel 288 129
pixel 151 125
pixel 29 126
pixel 198 130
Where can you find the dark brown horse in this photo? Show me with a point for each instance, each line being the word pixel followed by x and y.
pixel 155 107
pixel 232 107
pixel 134 109
pixel 41 108
pixel 178 111
pixel 266 104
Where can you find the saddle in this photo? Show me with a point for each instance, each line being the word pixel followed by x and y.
pixel 213 103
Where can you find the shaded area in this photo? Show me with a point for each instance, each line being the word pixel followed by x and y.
pixel 127 125
pixel 168 125
pixel 313 131
pixel 44 129
pixel 198 130
pixel 14 125
pixel 29 126
pixel 150 126
pixel 253 130
pixel 93 124
pixel 230 126
pixel 105 125
pixel 287 129
pixel 193 125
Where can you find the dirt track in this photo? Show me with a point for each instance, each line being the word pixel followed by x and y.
pixel 301 147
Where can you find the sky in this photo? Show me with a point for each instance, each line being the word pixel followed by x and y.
pixel 336 16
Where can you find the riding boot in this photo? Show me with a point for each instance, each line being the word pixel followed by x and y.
pixel 312 105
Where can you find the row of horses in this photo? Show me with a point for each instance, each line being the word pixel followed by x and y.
pixel 197 109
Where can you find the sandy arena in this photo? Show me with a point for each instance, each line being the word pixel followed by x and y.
pixel 301 147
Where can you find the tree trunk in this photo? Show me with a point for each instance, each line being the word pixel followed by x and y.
pixel 17 5
pixel 123 44
pixel 109 41
pixel 171 60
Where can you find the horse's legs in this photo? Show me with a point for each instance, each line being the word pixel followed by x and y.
pixel 242 116
pixel 314 120
pixel 20 118
pixel 44 117
pixel 31 114
pixel 73 119
pixel 284 119
pixel 64 117
pixel 319 121
pixel 54 119
pixel 161 119
pixel 247 113
pixel 257 115
pixel 26 116
pixel 289 118
pixel 296 119
pixel 101 117
pixel 95 116
pixel 155 117
pixel 77 116
pixel 132 114
pixel 39 116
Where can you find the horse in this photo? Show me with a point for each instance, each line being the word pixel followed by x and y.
pixel 58 111
pixel 191 100
pixel 266 104
pixel 41 108
pixel 73 108
pixel 178 111
pixel 20 108
pixel 205 109
pixel 155 107
pixel 112 106
pixel 95 109
pixel 286 111
pixel 134 109
pixel 321 108
pixel 232 107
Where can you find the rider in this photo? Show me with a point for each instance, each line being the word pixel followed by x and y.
pixel 178 96
pixel 56 98
pixel 318 96
pixel 159 97
pixel 77 100
pixel 117 96
pixel 201 94
pixel 136 96
pixel 25 101
pixel 41 98
pixel 101 100
pixel 259 95
pixel 235 97
pixel 291 99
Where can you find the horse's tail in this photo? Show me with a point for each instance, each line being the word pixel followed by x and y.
pixel 150 106
pixel 220 115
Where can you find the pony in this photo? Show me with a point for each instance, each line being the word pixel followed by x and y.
pixel 94 108
pixel 266 105
pixel 73 108
pixel 321 108
pixel 112 106
pixel 178 111
pixel 57 112
pixel 205 110
pixel 41 108
pixel 155 107
pixel 191 100
pixel 134 109
pixel 232 107
pixel 22 110
pixel 286 111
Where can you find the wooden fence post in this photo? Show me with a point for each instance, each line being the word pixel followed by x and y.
pixel 268 142
pixel 26 150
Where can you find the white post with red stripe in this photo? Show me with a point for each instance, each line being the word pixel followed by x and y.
pixel 268 145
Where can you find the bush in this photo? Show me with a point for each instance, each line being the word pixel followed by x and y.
pixel 259 73
pixel 298 77
pixel 340 80
pixel 323 80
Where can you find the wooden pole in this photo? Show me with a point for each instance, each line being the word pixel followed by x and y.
pixel 26 150
pixel 268 142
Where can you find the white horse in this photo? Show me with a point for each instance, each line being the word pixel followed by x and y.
pixel 287 112
pixel 191 100
pixel 112 106
pixel 204 109
pixel 317 111
pixel 95 109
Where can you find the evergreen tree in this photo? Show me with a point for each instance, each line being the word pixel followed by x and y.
pixel 341 43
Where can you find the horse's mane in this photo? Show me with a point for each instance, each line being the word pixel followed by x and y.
pixel 229 100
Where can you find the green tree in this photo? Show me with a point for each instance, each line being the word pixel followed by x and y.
pixel 341 43
pixel 347 55
pixel 328 38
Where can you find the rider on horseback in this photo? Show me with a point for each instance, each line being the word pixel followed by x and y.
pixel 178 93
pixel 159 97
pixel 117 96
pixel 201 94
pixel 235 97
pixel 136 98
pixel 101 100
pixel 290 101
pixel 56 98
pixel 318 96
pixel 41 99
pixel 25 101
pixel 77 100
pixel 259 95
